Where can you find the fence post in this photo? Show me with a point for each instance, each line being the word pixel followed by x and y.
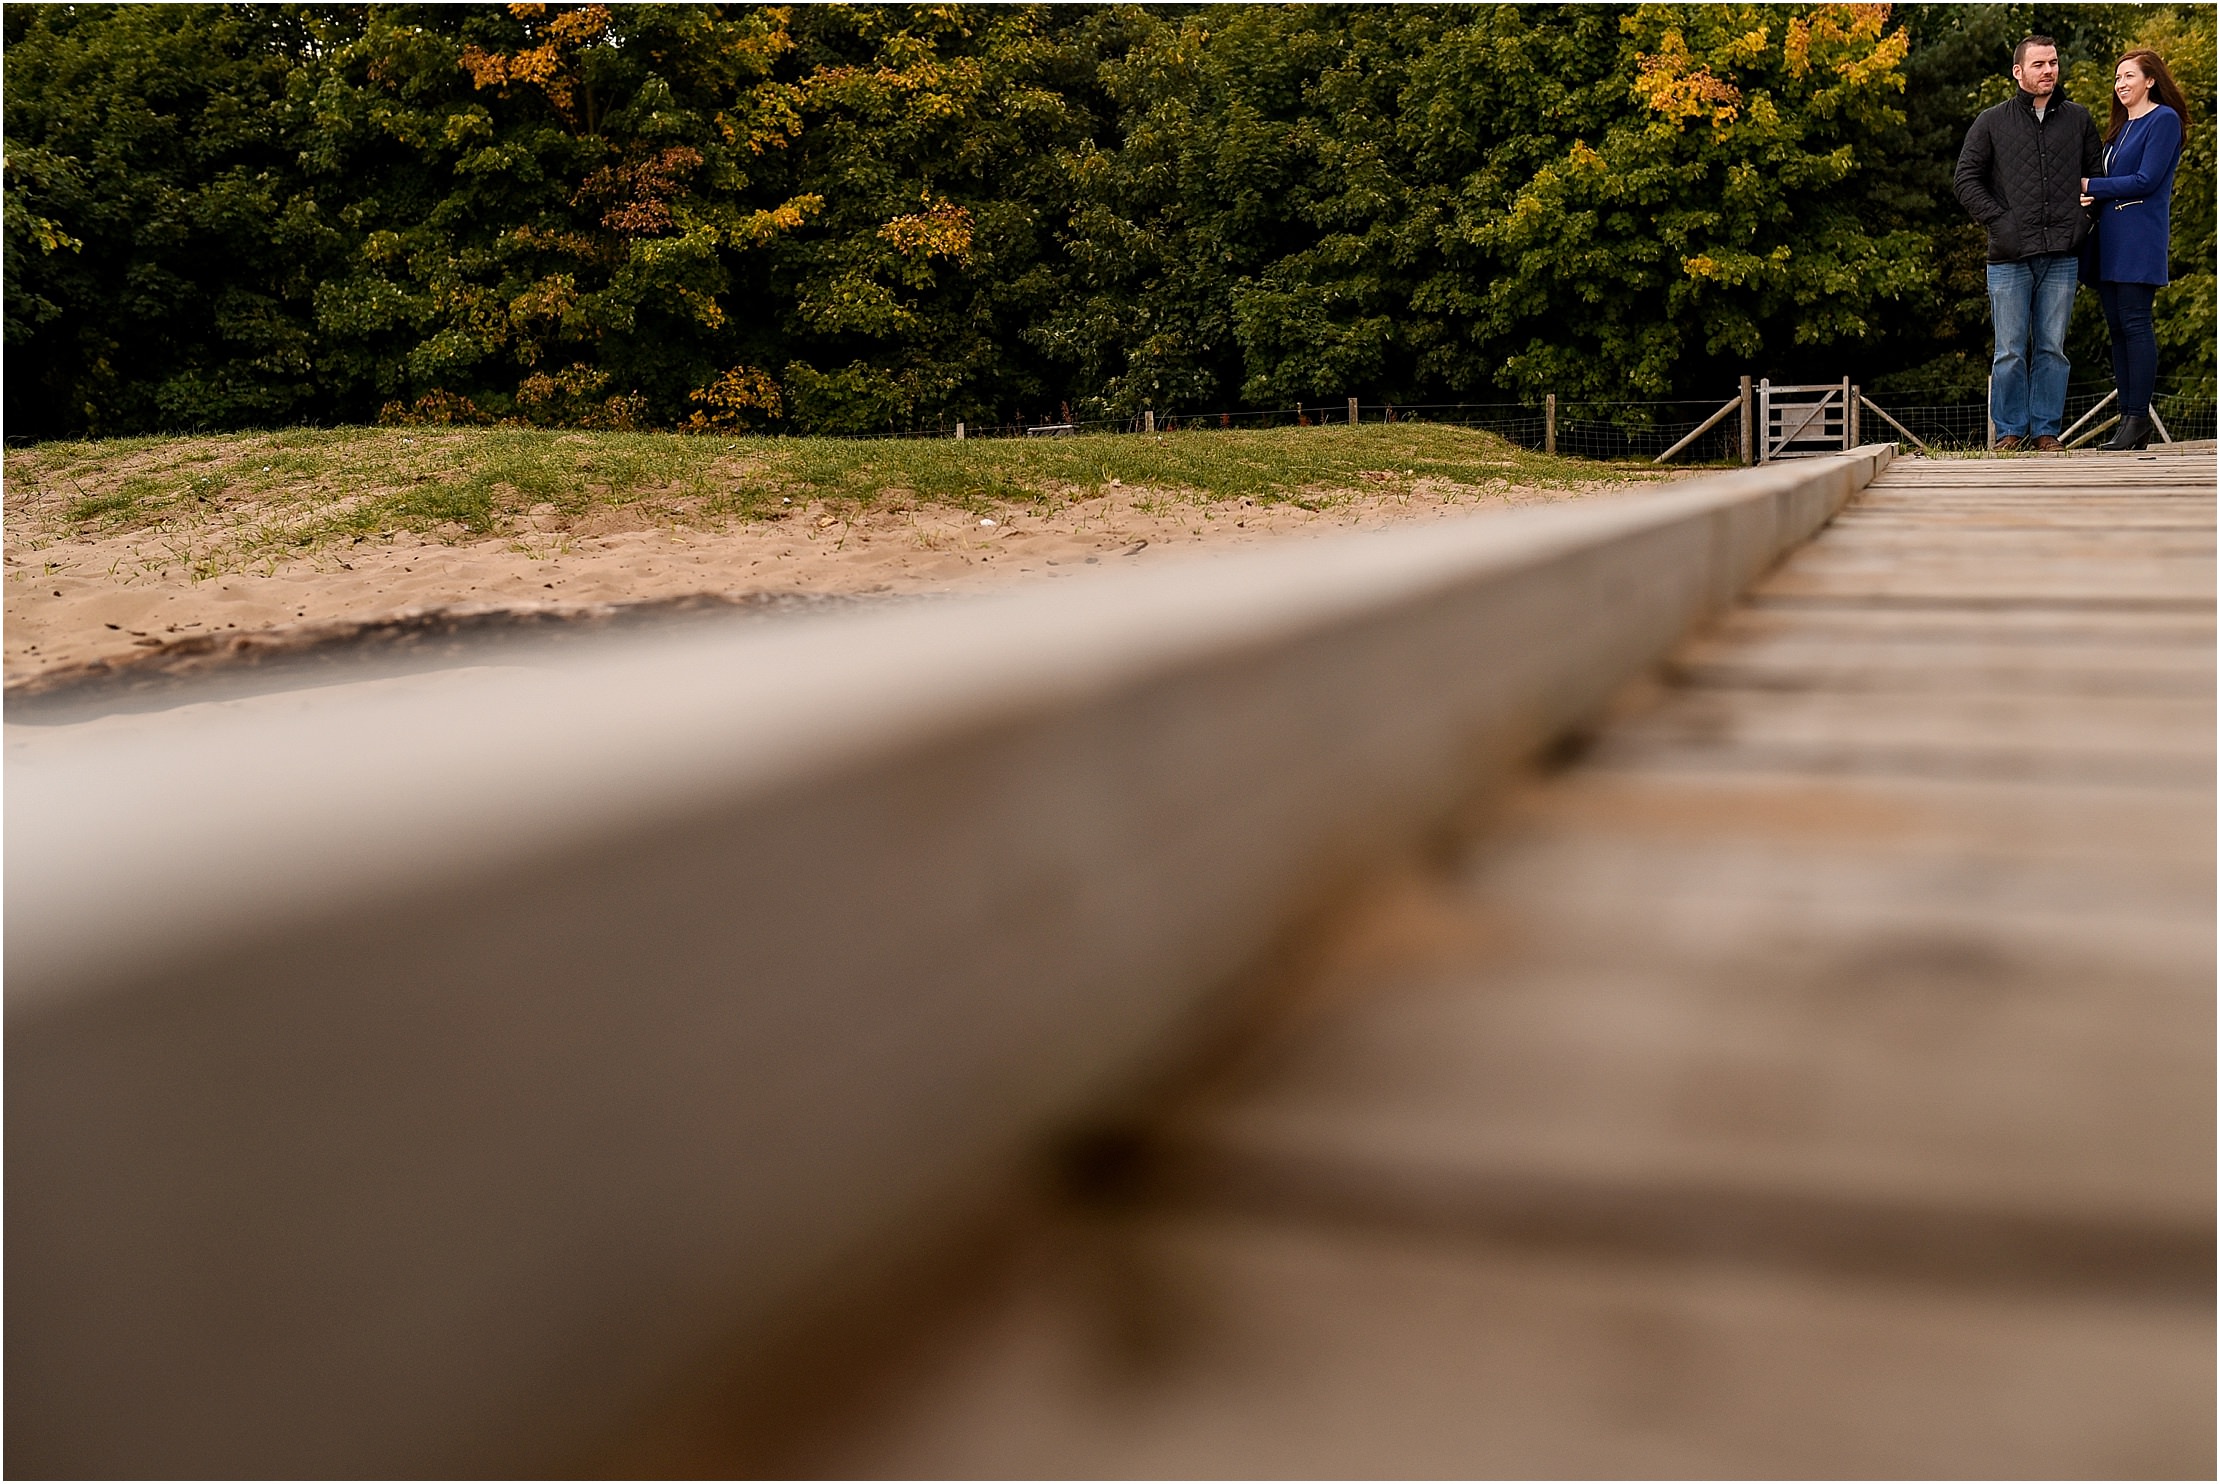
pixel 1148 420
pixel 1765 420
pixel 1749 455
pixel 1549 423
pixel 1988 413
pixel 959 432
pixel 1353 409
pixel 1850 413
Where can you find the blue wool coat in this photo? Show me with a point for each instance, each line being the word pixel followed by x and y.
pixel 2135 200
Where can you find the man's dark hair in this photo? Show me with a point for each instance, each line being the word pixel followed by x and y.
pixel 2019 53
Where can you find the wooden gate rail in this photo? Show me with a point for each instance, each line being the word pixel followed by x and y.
pixel 1733 405
pixel 1883 414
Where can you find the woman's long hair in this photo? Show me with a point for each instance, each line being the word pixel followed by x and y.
pixel 2162 88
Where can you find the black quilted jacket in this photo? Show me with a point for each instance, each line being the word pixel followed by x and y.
pixel 2022 179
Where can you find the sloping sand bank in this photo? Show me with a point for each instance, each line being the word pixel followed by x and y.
pixel 81 604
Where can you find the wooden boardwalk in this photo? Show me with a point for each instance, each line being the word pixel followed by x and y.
pixel 1811 1075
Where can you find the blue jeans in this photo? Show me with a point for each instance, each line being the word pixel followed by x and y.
pixel 2127 314
pixel 2030 302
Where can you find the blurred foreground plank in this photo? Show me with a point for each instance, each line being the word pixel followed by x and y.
pixel 421 1063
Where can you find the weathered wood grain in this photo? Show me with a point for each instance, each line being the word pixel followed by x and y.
pixel 1213 1346
pixel 1815 1077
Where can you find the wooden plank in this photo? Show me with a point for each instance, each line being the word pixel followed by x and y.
pixel 2179 478
pixel 2139 584
pixel 1839 1017
pixel 2020 669
pixel 1214 1346
pixel 2099 477
pixel 2158 739
pixel 2021 542
pixel 1945 496
pixel 2029 548
pixel 2144 846
pixel 1801 650
pixel 2034 624
pixel 2063 517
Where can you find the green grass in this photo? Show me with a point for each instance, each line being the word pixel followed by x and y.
pixel 1266 465
pixel 227 501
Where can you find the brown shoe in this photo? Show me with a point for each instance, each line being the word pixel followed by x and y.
pixel 2009 444
pixel 2049 444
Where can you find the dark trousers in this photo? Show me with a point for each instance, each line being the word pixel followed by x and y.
pixel 2127 314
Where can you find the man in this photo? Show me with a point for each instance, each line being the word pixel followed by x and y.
pixel 2020 176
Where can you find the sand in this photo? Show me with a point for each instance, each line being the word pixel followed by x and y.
pixel 73 599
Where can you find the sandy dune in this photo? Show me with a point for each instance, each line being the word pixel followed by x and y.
pixel 73 599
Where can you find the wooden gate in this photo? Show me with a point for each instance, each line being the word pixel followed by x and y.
pixel 1801 421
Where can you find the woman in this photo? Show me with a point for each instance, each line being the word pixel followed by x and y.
pixel 2134 198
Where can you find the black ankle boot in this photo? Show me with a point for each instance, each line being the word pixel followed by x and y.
pixel 2134 431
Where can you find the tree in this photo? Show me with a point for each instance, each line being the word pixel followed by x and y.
pixel 2186 323
pixel 161 249
pixel 549 209
pixel 856 218
pixel 930 134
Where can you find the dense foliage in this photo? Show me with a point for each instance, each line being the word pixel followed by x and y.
pixel 844 218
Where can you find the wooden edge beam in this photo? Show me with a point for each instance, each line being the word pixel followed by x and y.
pixel 420 1077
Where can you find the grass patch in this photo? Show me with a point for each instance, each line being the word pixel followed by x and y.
pixel 1298 465
pixel 110 509
pixel 231 501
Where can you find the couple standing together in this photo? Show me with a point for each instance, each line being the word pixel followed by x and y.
pixel 2063 203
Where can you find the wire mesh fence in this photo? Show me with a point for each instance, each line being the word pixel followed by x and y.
pixel 2187 411
pixel 1610 430
pixel 2188 415
pixel 1615 431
